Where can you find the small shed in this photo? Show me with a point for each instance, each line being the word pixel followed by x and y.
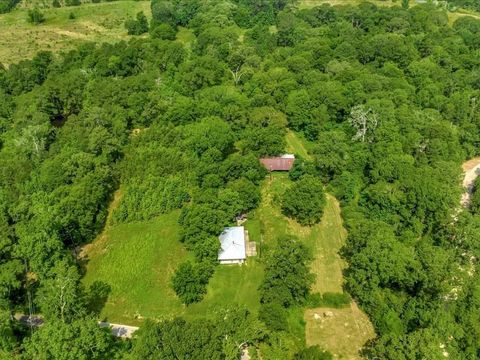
pixel 279 163
pixel 232 242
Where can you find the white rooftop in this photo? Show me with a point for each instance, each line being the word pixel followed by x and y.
pixel 232 241
pixel 288 156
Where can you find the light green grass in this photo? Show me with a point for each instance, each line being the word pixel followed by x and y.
pixel 235 285
pixel 137 260
pixel 297 145
pixel 102 22
pixel 324 239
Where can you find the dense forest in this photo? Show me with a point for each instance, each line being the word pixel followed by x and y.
pixel 388 99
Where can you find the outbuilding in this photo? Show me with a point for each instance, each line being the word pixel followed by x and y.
pixel 232 242
pixel 279 163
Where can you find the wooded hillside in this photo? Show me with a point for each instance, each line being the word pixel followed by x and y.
pixel 388 102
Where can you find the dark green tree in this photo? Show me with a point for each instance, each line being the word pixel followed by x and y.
pixel 304 200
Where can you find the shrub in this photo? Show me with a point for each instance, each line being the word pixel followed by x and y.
pixel 72 2
pixel 274 316
pixel 163 32
pixel 138 26
pixel 35 16
pixel 312 353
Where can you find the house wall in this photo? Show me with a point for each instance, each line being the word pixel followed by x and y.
pixel 232 261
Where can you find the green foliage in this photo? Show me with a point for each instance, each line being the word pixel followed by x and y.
pixel 7 5
pixel 150 198
pixel 163 32
pixel 313 353
pixel 329 299
pixel 35 16
pixel 475 200
pixel 274 316
pixel 72 2
pixel 287 275
pixel 60 296
pixel 190 281
pixel 137 26
pixel 81 339
pixel 304 200
pixel 387 98
pixel 7 336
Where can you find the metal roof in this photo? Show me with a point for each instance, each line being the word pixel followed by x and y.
pixel 232 241
pixel 279 163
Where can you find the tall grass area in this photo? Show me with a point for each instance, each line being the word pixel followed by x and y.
pixel 137 260
pixel 102 22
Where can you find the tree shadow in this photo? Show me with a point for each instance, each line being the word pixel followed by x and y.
pixel 97 296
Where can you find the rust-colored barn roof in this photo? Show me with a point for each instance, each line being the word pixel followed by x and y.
pixel 279 163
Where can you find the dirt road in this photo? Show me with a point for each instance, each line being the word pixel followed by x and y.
pixel 471 169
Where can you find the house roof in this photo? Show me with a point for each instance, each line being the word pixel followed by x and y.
pixel 279 163
pixel 232 241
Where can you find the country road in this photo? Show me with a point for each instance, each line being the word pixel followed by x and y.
pixel 471 169
pixel 118 330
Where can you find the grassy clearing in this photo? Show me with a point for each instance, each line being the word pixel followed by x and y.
pixel 343 332
pixel 231 285
pixel 102 22
pixel 295 145
pixel 137 261
pixel 326 239
pixel 346 330
pixel 349 328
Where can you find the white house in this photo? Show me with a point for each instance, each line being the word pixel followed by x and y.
pixel 232 241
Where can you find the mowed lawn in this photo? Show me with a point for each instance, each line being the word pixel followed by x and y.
pixel 138 260
pixel 325 239
pixel 344 333
pixel 102 22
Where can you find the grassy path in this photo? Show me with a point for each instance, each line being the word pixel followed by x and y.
pixel 345 330
pixel 295 145
pixel 328 237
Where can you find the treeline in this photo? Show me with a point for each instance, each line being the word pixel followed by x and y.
pixel 7 5
pixel 466 4
pixel 388 99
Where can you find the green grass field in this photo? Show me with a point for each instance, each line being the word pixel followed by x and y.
pixel 297 145
pixel 138 259
pixel 102 22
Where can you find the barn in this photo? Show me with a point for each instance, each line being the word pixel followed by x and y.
pixel 279 163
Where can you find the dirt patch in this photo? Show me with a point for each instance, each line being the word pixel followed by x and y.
pixel 471 169
pixel 343 332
